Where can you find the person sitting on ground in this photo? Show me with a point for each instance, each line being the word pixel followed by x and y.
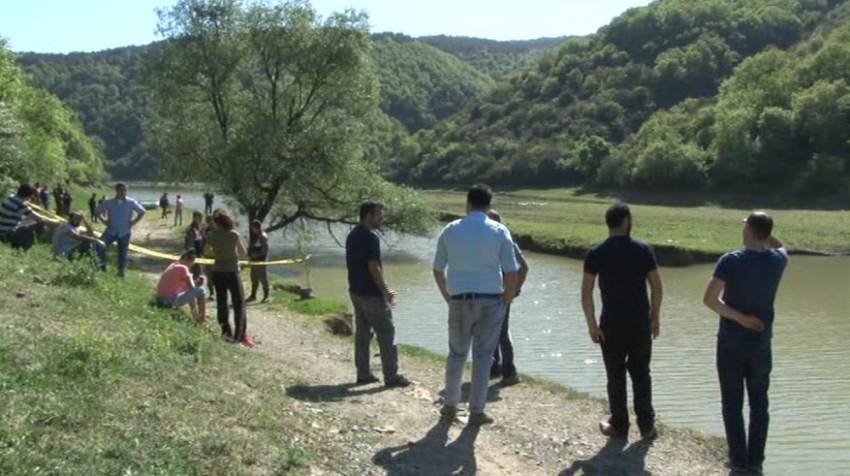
pixel 13 210
pixel 503 359
pixel 177 287
pixel 71 242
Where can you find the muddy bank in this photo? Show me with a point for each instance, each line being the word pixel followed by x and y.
pixel 673 256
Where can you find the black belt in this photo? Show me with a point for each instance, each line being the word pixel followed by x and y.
pixel 467 296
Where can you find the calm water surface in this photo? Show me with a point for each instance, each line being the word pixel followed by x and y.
pixel 810 387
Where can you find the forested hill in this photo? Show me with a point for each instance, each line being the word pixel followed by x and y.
pixel 678 94
pixel 496 58
pixel 420 85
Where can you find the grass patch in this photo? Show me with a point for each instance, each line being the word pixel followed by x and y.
pixel 96 381
pixel 563 218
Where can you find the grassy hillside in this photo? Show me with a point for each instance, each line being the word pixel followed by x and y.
pixel 573 117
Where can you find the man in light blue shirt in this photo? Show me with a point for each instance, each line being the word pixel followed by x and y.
pixel 480 283
pixel 119 222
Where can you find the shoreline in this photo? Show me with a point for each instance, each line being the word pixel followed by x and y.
pixel 667 255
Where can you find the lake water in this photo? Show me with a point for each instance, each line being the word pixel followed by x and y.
pixel 810 386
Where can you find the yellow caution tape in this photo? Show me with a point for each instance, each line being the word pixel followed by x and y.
pixel 173 257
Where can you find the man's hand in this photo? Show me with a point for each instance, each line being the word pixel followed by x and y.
pixel 596 334
pixel 655 326
pixel 752 323
pixel 391 297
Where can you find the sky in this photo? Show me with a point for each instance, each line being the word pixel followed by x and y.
pixel 63 26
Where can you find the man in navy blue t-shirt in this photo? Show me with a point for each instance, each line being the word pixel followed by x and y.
pixel 742 292
pixel 371 297
pixel 628 322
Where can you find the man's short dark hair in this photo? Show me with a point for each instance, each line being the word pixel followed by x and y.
pixel 256 224
pixel 761 224
pixel 188 255
pixel 368 207
pixel 479 196
pixel 120 185
pixel 26 190
pixel 616 214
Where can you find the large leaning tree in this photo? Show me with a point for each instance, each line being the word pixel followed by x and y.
pixel 272 105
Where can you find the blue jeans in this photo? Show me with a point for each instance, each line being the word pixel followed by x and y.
pixel 503 356
pixel 472 322
pixel 110 237
pixel 740 364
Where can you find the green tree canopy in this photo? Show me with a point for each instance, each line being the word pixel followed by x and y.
pixel 272 105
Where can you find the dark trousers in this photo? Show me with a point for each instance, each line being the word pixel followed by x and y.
pixel 92 251
pixel 741 364
pixel 23 237
pixel 259 275
pixel 624 351
pixel 224 283
pixel 503 358
pixel 372 315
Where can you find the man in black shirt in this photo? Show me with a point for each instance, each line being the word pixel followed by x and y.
pixel 371 297
pixel 628 322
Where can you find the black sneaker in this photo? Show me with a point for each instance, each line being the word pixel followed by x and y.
pixel 367 380
pixel 755 470
pixel 736 468
pixel 399 381
pixel 509 380
pixel 649 434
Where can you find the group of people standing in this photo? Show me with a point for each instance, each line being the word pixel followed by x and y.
pixel 479 271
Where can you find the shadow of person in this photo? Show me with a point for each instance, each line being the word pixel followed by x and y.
pixel 492 392
pixel 330 393
pixel 614 458
pixel 430 456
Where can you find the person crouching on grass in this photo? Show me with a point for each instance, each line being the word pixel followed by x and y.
pixel 177 287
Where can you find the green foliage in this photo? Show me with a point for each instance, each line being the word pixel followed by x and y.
pixel 272 106
pixel 498 59
pixel 681 94
pixel 421 85
pixel 40 140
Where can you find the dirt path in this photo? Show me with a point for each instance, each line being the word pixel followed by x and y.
pixel 370 430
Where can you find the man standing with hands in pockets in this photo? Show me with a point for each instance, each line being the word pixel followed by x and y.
pixel 742 292
pixel 481 282
pixel 371 298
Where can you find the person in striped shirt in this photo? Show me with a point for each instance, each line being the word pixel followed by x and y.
pixel 19 224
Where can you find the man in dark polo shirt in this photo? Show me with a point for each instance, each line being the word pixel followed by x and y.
pixel 372 298
pixel 742 292
pixel 628 322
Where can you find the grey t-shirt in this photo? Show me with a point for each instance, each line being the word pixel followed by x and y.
pixel 62 243
pixel 223 243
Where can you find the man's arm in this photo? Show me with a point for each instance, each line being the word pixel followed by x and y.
pixel 588 283
pixel 713 300
pixel 377 272
pixel 773 242
pixel 99 212
pixel 140 213
pixel 442 285
pixel 240 247
pixel 511 283
pixel 656 293
pixel 38 218
pixel 208 249
pixel 523 271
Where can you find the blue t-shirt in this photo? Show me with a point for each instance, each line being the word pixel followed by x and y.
pixel 362 246
pixel 622 263
pixel 751 279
